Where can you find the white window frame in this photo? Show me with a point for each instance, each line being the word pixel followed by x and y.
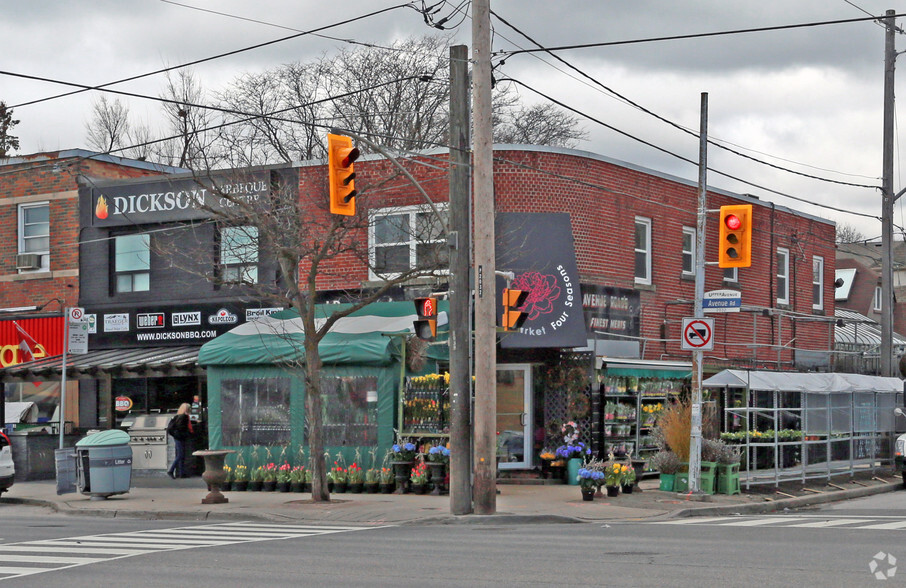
pixel 243 254
pixel 731 274
pixel 645 222
pixel 44 253
pixel 818 282
pixel 877 304
pixel 783 273
pixel 413 212
pixel 132 273
pixel 689 253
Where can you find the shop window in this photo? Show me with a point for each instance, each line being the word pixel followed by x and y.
pixel 783 275
pixel 132 263
pixel 688 251
pixel 407 239
pixel 349 411
pixel 34 237
pixel 255 411
pixel 817 283
pixel 642 250
pixel 239 255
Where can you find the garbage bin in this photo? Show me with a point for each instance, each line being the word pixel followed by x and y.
pixel 104 464
pixel 66 470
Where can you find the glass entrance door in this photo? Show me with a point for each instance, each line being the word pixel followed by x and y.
pixel 514 439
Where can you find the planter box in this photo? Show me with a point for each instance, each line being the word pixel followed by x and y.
pixel 667 482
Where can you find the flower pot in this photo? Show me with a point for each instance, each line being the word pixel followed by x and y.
pixel 572 469
pixel 667 481
pixel 355 487
pixel 240 486
pixel 371 487
pixel 627 488
pixel 226 486
pixel 339 487
pixel 387 488
pixel 296 487
pixel 254 486
pixel 438 472
pixel 417 488
pixel 613 491
pixel 282 486
pixel 306 486
pixel 588 495
pixel 401 470
pixel 268 486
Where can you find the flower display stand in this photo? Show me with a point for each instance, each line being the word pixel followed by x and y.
pixel 728 479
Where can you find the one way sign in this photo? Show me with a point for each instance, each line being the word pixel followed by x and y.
pixel 698 334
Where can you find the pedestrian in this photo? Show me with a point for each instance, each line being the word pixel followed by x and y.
pixel 180 427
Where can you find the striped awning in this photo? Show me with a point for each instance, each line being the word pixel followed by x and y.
pixel 122 363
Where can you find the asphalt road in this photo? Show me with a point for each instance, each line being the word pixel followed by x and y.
pixel 831 546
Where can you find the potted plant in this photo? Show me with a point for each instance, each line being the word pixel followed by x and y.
pixel 228 479
pixel 418 478
pixel 627 478
pixel 711 450
pixel 438 458
pixel 256 479
pixel 387 481
pixel 612 476
pixel 284 477
pixel 372 480
pixel 355 478
pixel 306 483
pixel 401 456
pixel 728 470
pixel 240 478
pixel 337 475
pixel 269 478
pixel 668 464
pixel 589 481
pixel 297 479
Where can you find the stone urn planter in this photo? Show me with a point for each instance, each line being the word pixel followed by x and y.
pixel 213 475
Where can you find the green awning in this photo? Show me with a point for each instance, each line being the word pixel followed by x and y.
pixel 649 373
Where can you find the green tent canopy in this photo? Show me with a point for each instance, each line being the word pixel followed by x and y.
pixel 359 339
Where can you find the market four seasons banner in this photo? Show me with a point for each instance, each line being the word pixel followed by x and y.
pixel 538 249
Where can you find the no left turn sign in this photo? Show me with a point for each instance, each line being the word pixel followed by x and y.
pixel 698 334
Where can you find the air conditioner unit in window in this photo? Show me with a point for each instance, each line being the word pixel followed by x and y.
pixel 28 261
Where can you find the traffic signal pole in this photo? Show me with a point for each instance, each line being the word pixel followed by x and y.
pixel 695 438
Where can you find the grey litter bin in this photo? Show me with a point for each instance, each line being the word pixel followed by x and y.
pixel 104 464
pixel 65 460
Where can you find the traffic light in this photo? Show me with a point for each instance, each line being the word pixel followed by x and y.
pixel 512 301
pixel 426 325
pixel 340 155
pixel 735 236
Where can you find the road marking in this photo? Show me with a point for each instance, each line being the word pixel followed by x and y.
pixel 879 523
pixel 50 555
pixel 760 522
pixel 882 526
pixel 828 523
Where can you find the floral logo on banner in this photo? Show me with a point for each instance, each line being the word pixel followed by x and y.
pixel 543 292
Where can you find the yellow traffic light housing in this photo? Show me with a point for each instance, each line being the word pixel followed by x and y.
pixel 513 300
pixel 735 240
pixel 426 325
pixel 341 175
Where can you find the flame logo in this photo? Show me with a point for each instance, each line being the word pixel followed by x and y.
pixel 100 210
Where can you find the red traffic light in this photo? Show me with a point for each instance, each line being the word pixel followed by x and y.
pixel 426 325
pixel 732 221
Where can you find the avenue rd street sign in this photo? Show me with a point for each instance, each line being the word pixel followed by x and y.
pixel 722 301
pixel 698 334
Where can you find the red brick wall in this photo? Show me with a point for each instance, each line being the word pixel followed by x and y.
pixel 603 200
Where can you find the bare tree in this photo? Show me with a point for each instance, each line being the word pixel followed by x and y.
pixel 540 124
pixel 189 143
pixel 109 125
pixel 7 122
pixel 849 234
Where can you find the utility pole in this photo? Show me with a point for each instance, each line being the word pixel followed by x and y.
pixel 695 437
pixel 485 488
pixel 460 293
pixel 887 200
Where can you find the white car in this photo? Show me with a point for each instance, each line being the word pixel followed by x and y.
pixel 7 469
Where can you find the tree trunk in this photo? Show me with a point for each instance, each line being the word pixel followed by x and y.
pixel 313 416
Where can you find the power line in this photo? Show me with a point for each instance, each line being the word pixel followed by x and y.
pixel 212 58
pixel 693 36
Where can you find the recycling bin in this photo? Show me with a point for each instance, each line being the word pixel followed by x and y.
pixel 65 461
pixel 104 464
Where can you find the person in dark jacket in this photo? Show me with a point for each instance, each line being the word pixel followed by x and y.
pixel 180 428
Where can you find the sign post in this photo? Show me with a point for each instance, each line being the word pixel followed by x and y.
pixel 75 340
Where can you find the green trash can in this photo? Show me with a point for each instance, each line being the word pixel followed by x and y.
pixel 104 464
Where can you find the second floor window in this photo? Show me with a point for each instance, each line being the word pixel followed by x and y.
pixel 817 283
pixel 34 231
pixel 239 255
pixel 407 239
pixel 642 250
pixel 688 251
pixel 879 297
pixel 783 276
pixel 132 263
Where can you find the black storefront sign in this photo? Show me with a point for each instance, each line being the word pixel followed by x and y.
pixel 168 325
pixel 539 250
pixel 611 311
pixel 186 199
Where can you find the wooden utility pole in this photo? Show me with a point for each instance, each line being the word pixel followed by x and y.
pixel 460 293
pixel 887 200
pixel 485 487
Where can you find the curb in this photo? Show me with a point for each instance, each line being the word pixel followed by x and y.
pixel 785 503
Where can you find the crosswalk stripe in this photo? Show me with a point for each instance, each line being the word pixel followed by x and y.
pixel 316 528
pixel 693 520
pixel 830 523
pixel 136 540
pixel 761 522
pixel 882 526
pixel 240 533
pixel 23 571
pixel 57 549
pixel 49 559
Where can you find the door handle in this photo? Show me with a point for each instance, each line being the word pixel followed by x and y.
pixel 522 418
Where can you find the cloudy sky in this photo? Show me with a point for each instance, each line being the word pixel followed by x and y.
pixel 808 99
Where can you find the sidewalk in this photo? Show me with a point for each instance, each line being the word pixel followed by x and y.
pixel 163 498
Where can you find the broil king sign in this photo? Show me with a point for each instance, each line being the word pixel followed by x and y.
pixel 538 249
